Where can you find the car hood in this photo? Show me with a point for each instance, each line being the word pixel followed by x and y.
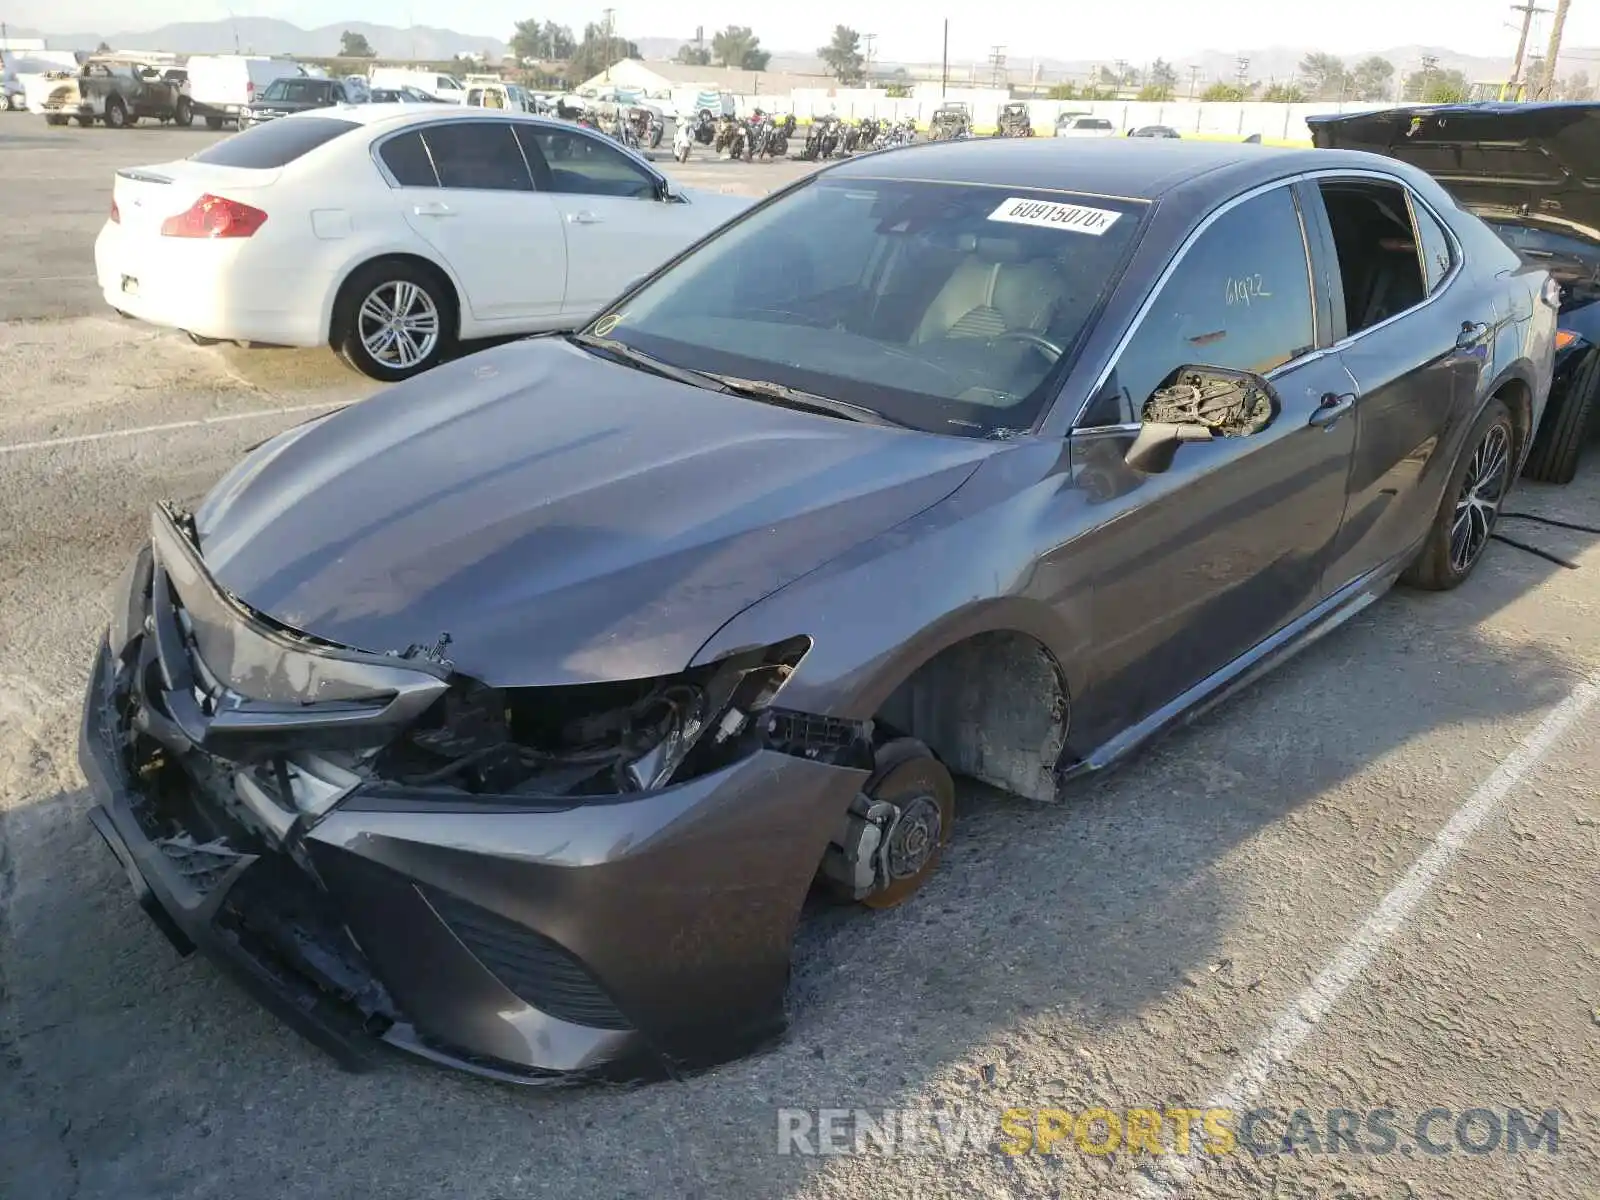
pixel 563 518
pixel 1530 164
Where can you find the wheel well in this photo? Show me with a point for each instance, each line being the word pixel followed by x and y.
pixel 336 330
pixel 993 707
pixel 1517 396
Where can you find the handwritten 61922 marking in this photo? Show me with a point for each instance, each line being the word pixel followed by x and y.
pixel 1247 289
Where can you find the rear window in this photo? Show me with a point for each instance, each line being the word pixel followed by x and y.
pixel 275 144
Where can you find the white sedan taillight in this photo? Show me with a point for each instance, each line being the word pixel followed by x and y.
pixel 214 217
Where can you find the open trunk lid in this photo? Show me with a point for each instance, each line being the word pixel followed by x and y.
pixel 1535 165
pixel 146 196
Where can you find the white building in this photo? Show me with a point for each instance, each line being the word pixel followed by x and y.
pixel 657 78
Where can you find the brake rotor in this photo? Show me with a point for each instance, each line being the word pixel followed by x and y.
pixel 923 793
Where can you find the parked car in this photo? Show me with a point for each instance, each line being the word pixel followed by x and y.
pixel 390 231
pixel 1014 121
pixel 119 90
pixel 513 712
pixel 223 86
pixel 1084 127
pixel 283 97
pixel 441 87
pixel 950 122
pixel 1532 191
pixel 1154 131
pixel 401 95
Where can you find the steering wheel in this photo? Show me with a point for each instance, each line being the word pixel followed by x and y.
pixel 1043 345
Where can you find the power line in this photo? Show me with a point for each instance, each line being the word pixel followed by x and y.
pixel 1528 12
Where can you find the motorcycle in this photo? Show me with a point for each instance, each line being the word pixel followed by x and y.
pixel 683 139
pixel 767 138
pixel 733 138
pixel 646 127
pixel 705 129
pixel 822 139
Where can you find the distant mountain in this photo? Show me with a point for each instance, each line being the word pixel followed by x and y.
pixel 266 35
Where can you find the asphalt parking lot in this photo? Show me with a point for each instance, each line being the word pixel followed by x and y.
pixel 1368 882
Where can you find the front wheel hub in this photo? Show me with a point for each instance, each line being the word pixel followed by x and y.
pixel 896 829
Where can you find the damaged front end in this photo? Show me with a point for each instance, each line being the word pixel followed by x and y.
pixel 523 882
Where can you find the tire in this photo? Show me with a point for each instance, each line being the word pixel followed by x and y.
pixel 1484 471
pixel 213 123
pixel 13 102
pixel 86 122
pixel 656 134
pixel 54 119
pixel 780 147
pixel 905 773
pixel 1561 434
pixel 183 113
pixel 359 325
pixel 116 114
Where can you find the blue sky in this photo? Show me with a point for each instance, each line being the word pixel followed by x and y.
pixel 909 29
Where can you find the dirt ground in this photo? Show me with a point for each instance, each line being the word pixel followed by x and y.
pixel 1366 883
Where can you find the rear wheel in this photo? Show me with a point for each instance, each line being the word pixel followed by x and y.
pixel 1562 433
pixel 183 113
pixel 393 320
pixel 213 123
pixel 116 114
pixel 54 119
pixel 1471 505
pixel 86 122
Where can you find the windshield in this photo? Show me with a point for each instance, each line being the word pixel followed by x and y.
pixel 950 308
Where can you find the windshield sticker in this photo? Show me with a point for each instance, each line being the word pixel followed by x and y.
pixel 1019 210
pixel 606 324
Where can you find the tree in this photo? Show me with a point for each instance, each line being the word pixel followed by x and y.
pixel 1224 92
pixel 1064 91
pixel 103 48
pixel 541 42
pixel 1284 93
pixel 1575 87
pixel 693 56
pixel 738 46
pixel 1160 84
pixel 1372 79
pixel 1325 75
pixel 843 55
pixel 355 45
pixel 599 52
pixel 1437 87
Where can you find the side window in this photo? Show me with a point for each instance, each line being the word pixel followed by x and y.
pixel 1380 264
pixel 583 165
pixel 480 155
pixel 1239 299
pixel 1433 244
pixel 407 160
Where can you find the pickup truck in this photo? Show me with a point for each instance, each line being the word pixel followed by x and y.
pixel 120 91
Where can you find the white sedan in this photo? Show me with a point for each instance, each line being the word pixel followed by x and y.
pixel 1085 127
pixel 390 231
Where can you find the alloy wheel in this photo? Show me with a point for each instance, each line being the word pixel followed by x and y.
pixel 398 324
pixel 1478 503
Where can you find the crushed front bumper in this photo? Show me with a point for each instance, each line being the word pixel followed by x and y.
pixel 640 934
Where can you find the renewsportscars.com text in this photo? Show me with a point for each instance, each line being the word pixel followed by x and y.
pixel 1434 1132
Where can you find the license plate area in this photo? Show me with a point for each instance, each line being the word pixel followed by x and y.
pixel 130 285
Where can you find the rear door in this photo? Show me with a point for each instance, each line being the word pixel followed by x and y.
pixel 464 188
pixel 1415 335
pixel 617 223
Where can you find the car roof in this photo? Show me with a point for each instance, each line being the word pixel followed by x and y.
pixel 394 116
pixel 1137 169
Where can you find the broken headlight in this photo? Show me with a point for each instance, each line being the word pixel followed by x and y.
pixel 592 739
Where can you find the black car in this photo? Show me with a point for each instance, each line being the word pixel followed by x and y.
pixel 1528 170
pixel 509 716
pixel 292 94
pixel 1154 131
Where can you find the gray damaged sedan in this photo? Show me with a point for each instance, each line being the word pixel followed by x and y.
pixel 509 716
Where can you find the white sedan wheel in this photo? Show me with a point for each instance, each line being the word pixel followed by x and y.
pixel 398 324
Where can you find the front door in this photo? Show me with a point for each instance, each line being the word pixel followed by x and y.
pixel 502 240
pixel 1193 566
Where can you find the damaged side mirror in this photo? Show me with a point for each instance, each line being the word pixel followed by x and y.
pixel 1198 404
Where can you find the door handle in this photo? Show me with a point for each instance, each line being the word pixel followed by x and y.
pixel 1330 408
pixel 433 210
pixel 583 218
pixel 1472 332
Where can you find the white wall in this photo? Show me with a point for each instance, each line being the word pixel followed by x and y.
pixel 1187 116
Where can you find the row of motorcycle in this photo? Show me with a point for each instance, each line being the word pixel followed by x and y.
pixel 765 135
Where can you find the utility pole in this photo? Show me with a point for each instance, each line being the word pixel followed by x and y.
pixel 607 25
pixel 1194 81
pixel 1241 70
pixel 1547 85
pixel 997 64
pixel 944 72
pixel 1528 11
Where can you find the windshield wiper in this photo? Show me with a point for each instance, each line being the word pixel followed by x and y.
pixel 648 362
pixel 764 389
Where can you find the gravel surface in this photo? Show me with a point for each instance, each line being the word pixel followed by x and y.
pixel 1133 946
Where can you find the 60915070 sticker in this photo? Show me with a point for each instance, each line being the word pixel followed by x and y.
pixel 1079 218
